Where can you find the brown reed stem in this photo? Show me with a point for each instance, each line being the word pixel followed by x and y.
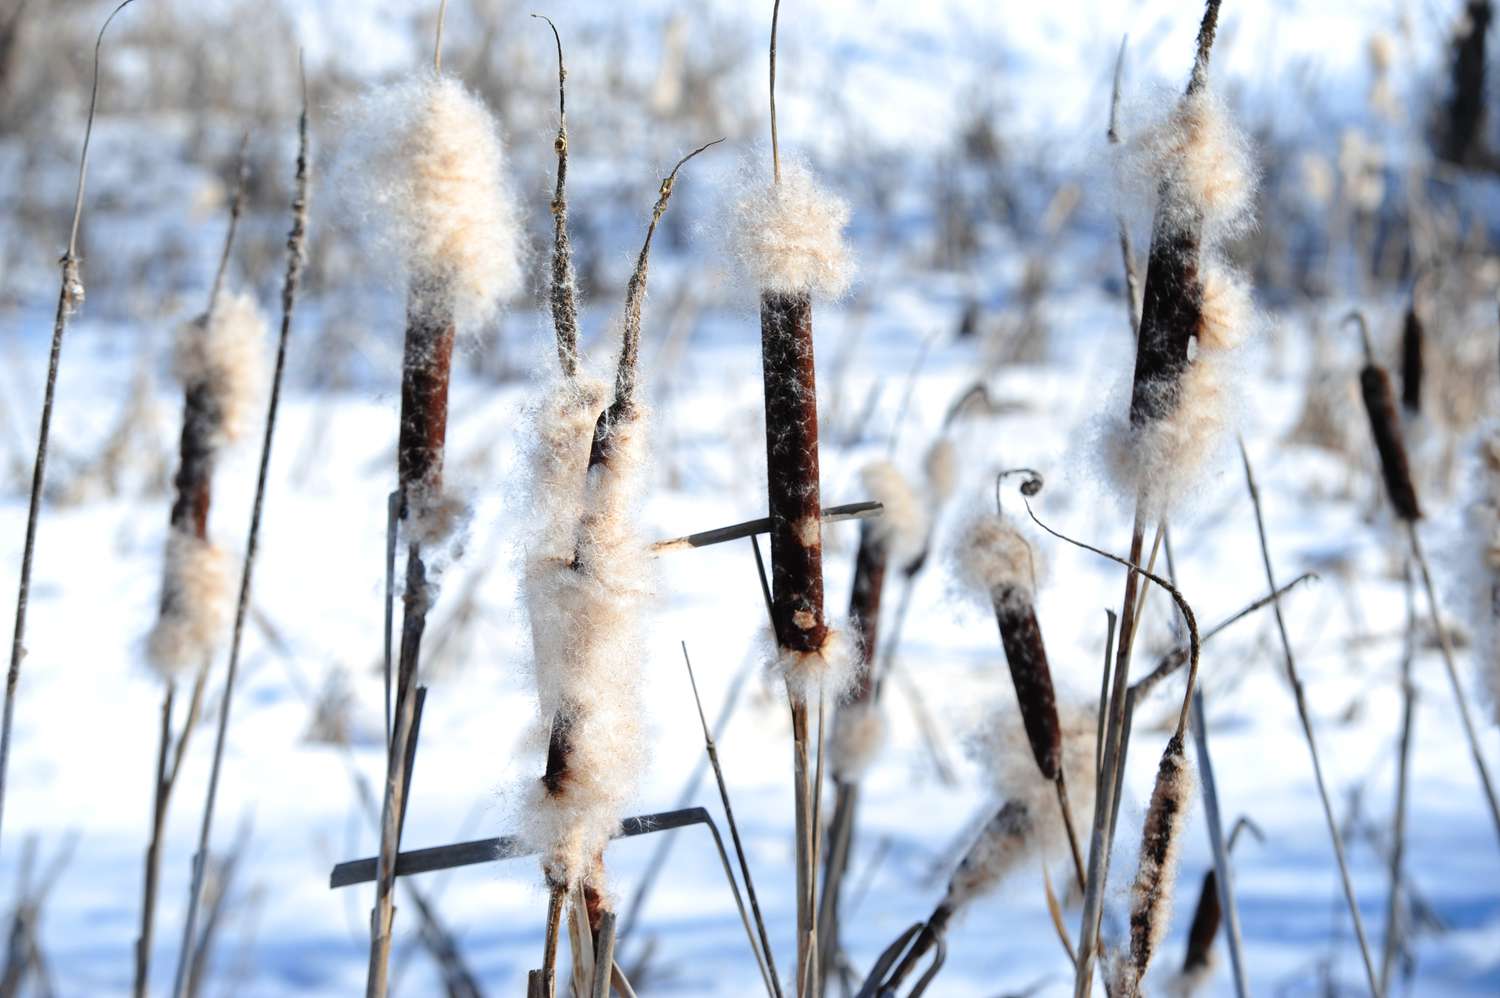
pixel 69 297
pixel 1445 645
pixel 1127 251
pixel 563 294
pixel 296 259
pixel 1300 698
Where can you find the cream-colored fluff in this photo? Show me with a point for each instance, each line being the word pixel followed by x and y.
pixel 1199 163
pixel 992 557
pixel 788 237
pixel 859 733
pixel 1003 843
pixel 827 672
pixel 194 605
pixel 1003 749
pixel 941 468
pixel 902 524
pixel 425 169
pixel 586 581
pixel 225 352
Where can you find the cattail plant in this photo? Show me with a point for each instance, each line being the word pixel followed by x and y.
pixel 69 299
pixel 1195 312
pixel 585 583
pixel 996 561
pixel 1023 824
pixel 219 363
pixel 859 725
pixel 296 261
pixel 431 176
pixel 789 240
pixel 1484 585
pixel 1385 428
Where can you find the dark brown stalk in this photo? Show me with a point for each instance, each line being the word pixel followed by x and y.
pixel 1412 335
pixel 1463 132
pixel 1380 406
pixel 564 289
pixel 296 259
pixel 69 298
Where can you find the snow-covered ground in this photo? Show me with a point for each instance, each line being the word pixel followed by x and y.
pixel 88 709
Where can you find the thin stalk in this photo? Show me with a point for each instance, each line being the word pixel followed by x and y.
pixel 775 143
pixel 1307 730
pixel 604 956
pixel 1403 771
pixel 1223 873
pixel 549 944
pixel 563 293
pixel 1445 645
pixel 69 296
pixel 763 954
pixel 296 258
pixel 1127 251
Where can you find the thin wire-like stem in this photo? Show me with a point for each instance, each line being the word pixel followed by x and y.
pixel 1334 834
pixel 1223 872
pixel 69 295
pixel 437 43
pixel 775 143
pixel 1127 251
pixel 1445 645
pixel 763 953
pixel 236 207
pixel 1403 771
pixel 1067 814
pixel 296 259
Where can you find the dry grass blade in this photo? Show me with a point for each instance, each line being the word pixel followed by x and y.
pixel 1054 909
pixel 69 297
pixel 1335 836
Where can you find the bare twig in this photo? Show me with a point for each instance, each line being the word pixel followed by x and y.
pixel 749 528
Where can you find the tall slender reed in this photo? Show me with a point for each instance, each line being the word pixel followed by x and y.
pixel 1385 428
pixel 1299 696
pixel 1195 311
pixel 296 245
pixel 789 240
pixel 69 299
pixel 431 173
pixel 219 363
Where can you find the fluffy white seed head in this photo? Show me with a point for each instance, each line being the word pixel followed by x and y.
pixel 1003 843
pixel 1482 547
pixel 194 605
pixel 902 525
pixel 1199 163
pixel 941 468
pixel 425 170
pixel 788 237
pixel 1003 749
pixel 859 734
pixel 586 581
pixel 992 556
pixel 225 352
pixel 827 672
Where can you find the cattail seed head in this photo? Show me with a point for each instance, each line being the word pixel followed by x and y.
pixel 1156 876
pixel 941 468
pixel 1200 165
pixel 901 527
pixel 788 236
pixel 1005 841
pixel 194 605
pixel 1385 426
pixel 224 352
pixel 859 734
pixel 994 561
pixel 426 168
pixel 1411 362
pixel 827 671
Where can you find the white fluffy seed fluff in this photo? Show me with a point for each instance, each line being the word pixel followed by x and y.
pixel 788 237
pixel 1189 983
pixel 941 468
pixel 1030 821
pixel 585 585
pixel 194 605
pixel 859 732
pixel 828 672
pixel 1482 548
pixel 902 524
pixel 424 169
pixel 226 352
pixel 993 556
pixel 1202 172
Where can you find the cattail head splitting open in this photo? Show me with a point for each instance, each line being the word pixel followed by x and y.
pixel 1196 309
pixel 999 563
pixel 1156 875
pixel 1483 547
pixel 788 235
pixel 1385 426
pixel 220 362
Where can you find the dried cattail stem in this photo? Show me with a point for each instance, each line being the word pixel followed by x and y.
pixel 563 294
pixel 1385 427
pixel 69 298
pixel 296 246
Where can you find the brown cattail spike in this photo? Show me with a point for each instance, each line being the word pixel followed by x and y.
pixel 1021 636
pixel 870 564
pixel 1411 361
pixel 792 471
pixel 1205 927
pixel 1380 406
